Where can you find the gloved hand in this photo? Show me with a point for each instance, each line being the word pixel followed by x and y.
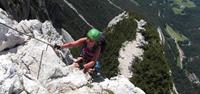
pixel 81 66
pixel 56 46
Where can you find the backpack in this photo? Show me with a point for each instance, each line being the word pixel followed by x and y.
pixel 102 42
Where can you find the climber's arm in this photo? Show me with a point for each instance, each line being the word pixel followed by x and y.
pixel 74 43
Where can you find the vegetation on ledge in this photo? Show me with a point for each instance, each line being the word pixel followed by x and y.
pixel 152 73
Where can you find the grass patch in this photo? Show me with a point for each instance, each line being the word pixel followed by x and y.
pixel 108 91
pixel 175 35
pixel 179 63
pixel 177 10
pixel 178 6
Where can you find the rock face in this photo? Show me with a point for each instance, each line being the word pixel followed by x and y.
pixel 119 85
pixel 118 18
pixel 34 67
pixel 128 54
pixel 141 24
pixel 8 38
pixel 98 13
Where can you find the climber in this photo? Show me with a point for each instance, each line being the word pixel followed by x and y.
pixel 90 51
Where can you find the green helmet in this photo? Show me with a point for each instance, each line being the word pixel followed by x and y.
pixel 94 34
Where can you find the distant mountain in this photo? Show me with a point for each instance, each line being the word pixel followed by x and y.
pixel 67 14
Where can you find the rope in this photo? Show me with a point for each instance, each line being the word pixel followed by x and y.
pixel 27 34
pixel 40 64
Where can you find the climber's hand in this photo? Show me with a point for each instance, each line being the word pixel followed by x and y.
pixel 56 46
